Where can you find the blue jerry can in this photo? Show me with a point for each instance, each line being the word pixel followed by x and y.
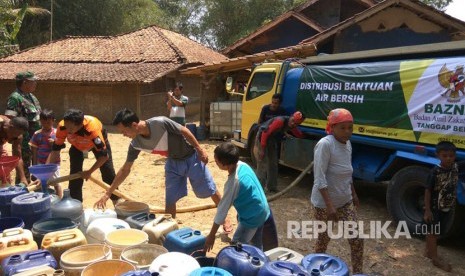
pixel 241 259
pixel 29 260
pixel 282 268
pixel 184 240
pixel 325 264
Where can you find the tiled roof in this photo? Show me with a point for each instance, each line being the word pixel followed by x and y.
pixel 141 56
pixel 90 72
pixel 239 63
pixel 193 51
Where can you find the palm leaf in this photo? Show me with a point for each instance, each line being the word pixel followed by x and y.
pixel 17 23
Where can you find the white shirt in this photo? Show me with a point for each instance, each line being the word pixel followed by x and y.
pixel 332 169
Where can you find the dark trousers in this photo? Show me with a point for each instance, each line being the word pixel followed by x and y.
pixel 267 169
pixel 76 158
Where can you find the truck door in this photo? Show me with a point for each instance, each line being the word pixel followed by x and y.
pixel 259 91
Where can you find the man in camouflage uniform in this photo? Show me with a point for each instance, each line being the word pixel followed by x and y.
pixel 23 103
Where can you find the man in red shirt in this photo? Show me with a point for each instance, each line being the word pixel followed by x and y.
pixel 266 147
pixel 84 133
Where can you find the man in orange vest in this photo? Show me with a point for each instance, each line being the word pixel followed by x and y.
pixel 84 133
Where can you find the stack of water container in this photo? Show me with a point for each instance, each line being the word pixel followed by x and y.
pixel 35 232
pixel 39 237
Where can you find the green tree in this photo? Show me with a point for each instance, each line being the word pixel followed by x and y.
pixel 14 14
pixel 216 23
pixel 104 17
pixel 438 4
pixel 222 22
pixel 180 15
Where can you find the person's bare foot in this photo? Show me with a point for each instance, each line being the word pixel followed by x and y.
pixel 227 226
pixel 442 264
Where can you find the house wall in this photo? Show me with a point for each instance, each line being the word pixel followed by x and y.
pixel 153 97
pixel 105 99
pixel 280 36
pixel 99 100
pixel 193 89
pixel 326 13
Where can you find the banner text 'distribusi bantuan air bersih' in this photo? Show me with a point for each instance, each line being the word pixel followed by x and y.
pixel 414 100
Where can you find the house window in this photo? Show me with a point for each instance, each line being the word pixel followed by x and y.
pixel 261 83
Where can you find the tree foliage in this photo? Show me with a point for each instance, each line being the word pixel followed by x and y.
pixel 222 22
pixel 12 16
pixel 104 17
pixel 216 23
pixel 438 4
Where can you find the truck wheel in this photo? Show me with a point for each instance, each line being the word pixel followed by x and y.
pixel 405 199
pixel 405 196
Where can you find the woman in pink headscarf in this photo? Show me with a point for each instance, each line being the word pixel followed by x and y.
pixel 333 195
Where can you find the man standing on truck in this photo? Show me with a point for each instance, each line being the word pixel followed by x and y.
pixel 272 110
pixel 266 147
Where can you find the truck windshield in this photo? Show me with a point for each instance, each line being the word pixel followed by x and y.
pixel 261 83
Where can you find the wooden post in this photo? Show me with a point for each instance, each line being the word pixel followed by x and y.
pixel 204 88
pixel 138 107
pixel 202 100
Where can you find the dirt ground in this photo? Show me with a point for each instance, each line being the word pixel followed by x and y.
pixel 381 256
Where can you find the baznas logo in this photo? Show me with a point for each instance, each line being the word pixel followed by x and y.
pixel 453 82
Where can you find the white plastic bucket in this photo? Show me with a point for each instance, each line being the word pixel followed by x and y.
pixel 90 215
pixel 120 239
pixel 142 255
pixel 174 264
pixel 74 260
pixel 99 228
pixel 108 268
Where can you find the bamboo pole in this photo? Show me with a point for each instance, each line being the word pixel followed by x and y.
pixel 153 209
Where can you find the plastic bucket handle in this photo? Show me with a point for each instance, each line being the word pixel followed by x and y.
pixel 12 232
pixel 325 265
pixel 37 254
pixel 186 235
pixel 66 236
pixel 285 266
pixel 285 256
pixel 18 242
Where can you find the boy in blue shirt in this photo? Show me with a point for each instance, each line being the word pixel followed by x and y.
pixel 244 191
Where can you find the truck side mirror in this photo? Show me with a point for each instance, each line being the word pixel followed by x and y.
pixel 229 87
pixel 229 84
